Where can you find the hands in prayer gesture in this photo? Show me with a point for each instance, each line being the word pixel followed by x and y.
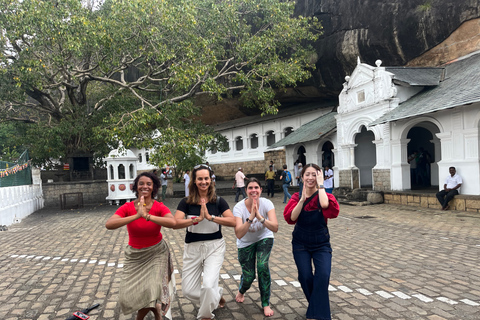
pixel 142 209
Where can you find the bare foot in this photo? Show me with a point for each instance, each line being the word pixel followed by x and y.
pixel 267 311
pixel 239 297
pixel 222 302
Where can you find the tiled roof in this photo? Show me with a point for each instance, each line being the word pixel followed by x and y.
pixel 460 87
pixel 417 76
pixel 312 130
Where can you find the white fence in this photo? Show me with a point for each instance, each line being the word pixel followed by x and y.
pixel 18 202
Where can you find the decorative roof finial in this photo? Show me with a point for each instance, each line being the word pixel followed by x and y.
pixel 378 63
pixel 358 60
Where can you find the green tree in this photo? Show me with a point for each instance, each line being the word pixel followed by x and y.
pixel 84 79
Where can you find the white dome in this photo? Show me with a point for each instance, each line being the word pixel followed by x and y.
pixel 125 154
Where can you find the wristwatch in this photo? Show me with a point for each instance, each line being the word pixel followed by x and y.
pixel 213 218
pixel 262 221
pixel 321 186
pixel 248 220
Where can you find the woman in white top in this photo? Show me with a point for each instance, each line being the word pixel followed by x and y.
pixel 255 224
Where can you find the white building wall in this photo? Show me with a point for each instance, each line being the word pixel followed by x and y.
pixel 278 125
pixel 19 202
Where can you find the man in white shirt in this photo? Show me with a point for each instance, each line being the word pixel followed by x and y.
pixel 328 180
pixel 450 189
pixel 186 179
pixel 240 184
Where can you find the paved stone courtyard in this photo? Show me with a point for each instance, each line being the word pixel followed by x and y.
pixel 389 262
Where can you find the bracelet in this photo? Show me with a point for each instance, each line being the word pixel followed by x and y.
pixel 262 221
pixel 148 217
pixel 213 218
pixel 248 220
pixel 193 220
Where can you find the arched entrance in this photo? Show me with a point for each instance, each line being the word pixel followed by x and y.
pixel 327 155
pixel 423 154
pixel 301 155
pixel 365 156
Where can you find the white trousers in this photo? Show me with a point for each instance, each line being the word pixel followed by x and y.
pixel 206 257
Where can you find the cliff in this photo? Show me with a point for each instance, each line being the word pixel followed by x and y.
pixel 398 32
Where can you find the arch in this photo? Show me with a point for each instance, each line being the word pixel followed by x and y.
pixel 238 143
pixel 365 156
pixel 287 131
pixel 131 171
pixel 325 154
pixel 270 134
pixel 111 173
pixel 428 123
pixel 140 157
pixel 356 127
pixel 253 141
pixel 423 150
pixel 121 171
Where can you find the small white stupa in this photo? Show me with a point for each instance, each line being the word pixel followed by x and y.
pixel 121 172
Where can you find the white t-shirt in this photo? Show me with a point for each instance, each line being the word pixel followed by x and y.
pixel 257 230
pixel 328 183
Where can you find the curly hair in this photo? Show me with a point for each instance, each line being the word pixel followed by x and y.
pixel 155 180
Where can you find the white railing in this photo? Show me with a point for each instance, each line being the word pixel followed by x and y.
pixel 18 202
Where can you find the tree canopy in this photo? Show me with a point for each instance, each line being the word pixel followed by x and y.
pixel 129 70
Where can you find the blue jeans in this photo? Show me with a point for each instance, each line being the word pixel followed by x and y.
pixel 329 190
pixel 285 192
pixel 240 190
pixel 314 282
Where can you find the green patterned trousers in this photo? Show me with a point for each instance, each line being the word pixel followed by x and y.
pixel 258 253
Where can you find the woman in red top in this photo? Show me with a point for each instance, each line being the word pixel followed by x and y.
pixel 311 240
pixel 148 267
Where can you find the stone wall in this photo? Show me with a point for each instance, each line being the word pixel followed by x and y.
pixel 381 179
pixel 469 203
pixel 345 178
pixel 226 171
pixel 93 191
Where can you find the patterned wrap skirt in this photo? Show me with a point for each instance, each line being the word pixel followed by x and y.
pixel 147 279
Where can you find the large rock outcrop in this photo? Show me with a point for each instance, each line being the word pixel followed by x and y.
pixel 395 31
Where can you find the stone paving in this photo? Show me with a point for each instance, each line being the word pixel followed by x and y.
pixel 389 262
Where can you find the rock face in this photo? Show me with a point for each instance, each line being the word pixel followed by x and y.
pixel 395 31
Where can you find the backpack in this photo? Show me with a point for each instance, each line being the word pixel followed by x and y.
pixel 288 177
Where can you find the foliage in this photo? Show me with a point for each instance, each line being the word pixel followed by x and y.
pixel 84 79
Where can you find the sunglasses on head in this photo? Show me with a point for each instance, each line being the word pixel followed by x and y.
pixel 203 166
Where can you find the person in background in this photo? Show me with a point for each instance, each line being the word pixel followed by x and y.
pixel 311 240
pixel 186 180
pixel 299 178
pixel 328 183
pixel 203 213
pixel 450 189
pixel 240 184
pixel 270 180
pixel 164 183
pixel 273 166
pixel 213 178
pixel 286 177
pixel 295 170
pixel 255 224
pixel 147 282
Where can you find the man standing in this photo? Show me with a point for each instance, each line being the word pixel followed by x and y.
pixel 163 182
pixel 450 188
pixel 270 180
pixel 328 181
pixel 186 180
pixel 240 184
pixel 286 177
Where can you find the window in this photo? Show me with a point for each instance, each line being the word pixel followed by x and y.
pixel 360 96
pixel 140 157
pixel 132 174
pixel 121 171
pixel 270 138
pixel 254 141
pixel 111 173
pixel 287 131
pixel 238 143
pixel 147 157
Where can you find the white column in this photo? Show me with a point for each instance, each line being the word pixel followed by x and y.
pixel 400 173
